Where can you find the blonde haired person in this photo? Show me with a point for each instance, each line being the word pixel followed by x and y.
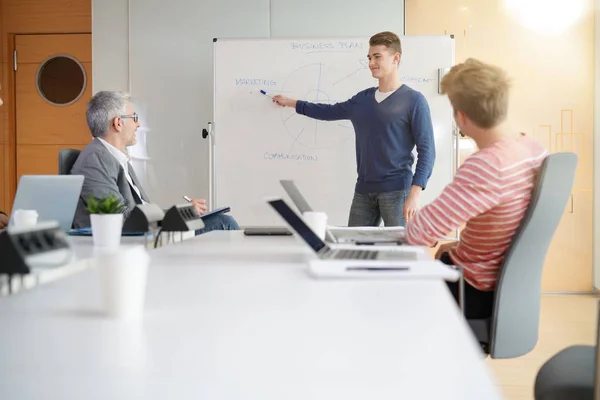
pixel 491 190
pixel 389 121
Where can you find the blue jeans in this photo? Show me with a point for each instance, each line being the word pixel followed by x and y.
pixel 219 222
pixel 368 209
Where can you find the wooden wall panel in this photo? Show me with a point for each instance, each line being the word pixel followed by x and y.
pixel 3 151
pixel 29 17
pixel 47 127
pixel 567 267
pixel 44 16
pixel 3 115
pixel 38 160
pixel 9 128
pixel 2 29
pixel 35 49
pixel 4 94
pixel 48 16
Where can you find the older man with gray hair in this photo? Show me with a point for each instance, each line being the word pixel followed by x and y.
pixel 104 162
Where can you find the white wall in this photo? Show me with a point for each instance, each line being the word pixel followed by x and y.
pixel 110 45
pixel 323 18
pixel 171 72
pixel 168 52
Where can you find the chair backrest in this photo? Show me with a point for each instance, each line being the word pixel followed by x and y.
pixel 66 159
pixel 515 319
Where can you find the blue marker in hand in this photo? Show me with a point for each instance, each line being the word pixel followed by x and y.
pixel 276 101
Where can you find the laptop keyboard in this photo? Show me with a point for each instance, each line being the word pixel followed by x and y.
pixel 356 254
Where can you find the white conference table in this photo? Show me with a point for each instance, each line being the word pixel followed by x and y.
pixel 234 317
pixel 83 249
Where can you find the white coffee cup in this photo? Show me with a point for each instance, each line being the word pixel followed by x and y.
pixel 25 218
pixel 124 271
pixel 317 221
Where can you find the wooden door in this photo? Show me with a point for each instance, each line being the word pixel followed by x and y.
pixel 53 85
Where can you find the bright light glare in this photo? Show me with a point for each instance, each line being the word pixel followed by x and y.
pixel 546 16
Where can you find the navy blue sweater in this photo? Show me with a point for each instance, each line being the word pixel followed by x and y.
pixel 386 134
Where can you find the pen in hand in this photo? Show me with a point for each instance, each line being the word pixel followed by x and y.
pixel 200 207
pixel 272 97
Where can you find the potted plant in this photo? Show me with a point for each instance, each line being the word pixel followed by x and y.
pixel 106 216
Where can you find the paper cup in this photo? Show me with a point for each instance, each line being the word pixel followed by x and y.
pixel 317 221
pixel 25 218
pixel 124 273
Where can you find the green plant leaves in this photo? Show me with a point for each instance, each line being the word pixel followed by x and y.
pixel 105 205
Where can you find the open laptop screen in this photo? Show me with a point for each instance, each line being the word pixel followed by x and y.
pixel 297 224
pixel 294 193
pixel 54 197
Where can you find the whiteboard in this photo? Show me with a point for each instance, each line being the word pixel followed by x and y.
pixel 256 143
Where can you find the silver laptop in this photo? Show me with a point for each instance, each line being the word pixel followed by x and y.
pixel 359 235
pixel 340 252
pixel 54 197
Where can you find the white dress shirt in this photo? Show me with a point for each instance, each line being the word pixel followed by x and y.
pixel 123 159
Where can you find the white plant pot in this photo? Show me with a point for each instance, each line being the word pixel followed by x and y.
pixel 106 229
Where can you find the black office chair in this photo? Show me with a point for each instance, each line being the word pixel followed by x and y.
pixel 66 159
pixel 572 373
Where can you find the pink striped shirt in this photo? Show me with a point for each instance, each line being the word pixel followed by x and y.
pixel 490 193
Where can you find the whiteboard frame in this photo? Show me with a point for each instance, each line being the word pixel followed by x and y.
pixel 211 125
pixel 212 192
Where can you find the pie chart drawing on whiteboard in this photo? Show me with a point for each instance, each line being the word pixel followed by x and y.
pixel 315 83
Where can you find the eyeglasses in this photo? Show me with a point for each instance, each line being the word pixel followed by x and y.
pixel 133 116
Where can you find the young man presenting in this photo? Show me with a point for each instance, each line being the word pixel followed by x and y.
pixel 389 120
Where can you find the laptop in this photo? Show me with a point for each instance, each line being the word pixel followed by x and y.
pixel 343 251
pixel 54 197
pixel 356 235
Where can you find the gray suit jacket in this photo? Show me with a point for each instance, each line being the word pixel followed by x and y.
pixel 103 176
